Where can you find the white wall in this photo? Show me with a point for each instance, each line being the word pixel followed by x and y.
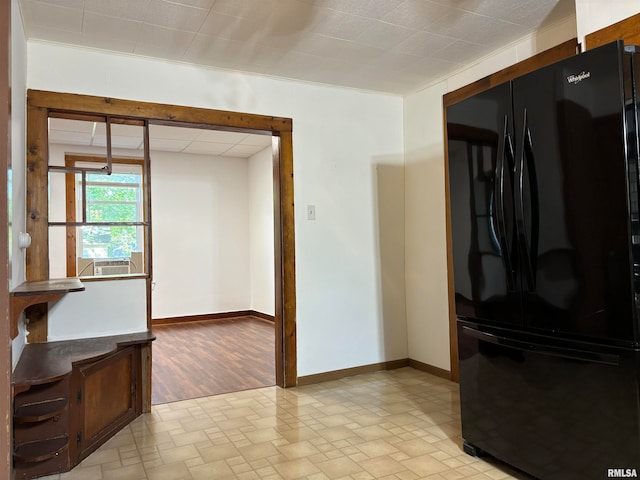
pixel 17 208
pixel 350 296
pixel 261 232
pixel 426 271
pixel 200 221
pixel 593 15
pixel 104 308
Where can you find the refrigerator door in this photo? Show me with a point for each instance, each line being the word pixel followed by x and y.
pixel 558 410
pixel 571 198
pixel 481 161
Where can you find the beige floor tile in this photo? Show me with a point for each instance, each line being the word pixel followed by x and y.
pixel 298 468
pixel 393 425
pixel 173 471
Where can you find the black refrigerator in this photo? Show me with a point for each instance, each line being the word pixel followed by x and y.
pixel 543 177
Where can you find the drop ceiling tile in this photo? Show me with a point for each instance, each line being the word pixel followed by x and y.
pixel 229 54
pixel 375 9
pixel 207 148
pixel 163 42
pixel 253 9
pixel 61 18
pixel 242 151
pixel 220 136
pixel 422 44
pixel 497 33
pixel 173 133
pixel 341 25
pixel 417 14
pixel 133 131
pixel 101 31
pixel 79 4
pixel 229 27
pixel 52 34
pixel 134 10
pixel 70 125
pixel 168 145
pixel 384 35
pixel 463 52
pixel 462 25
pixel 196 3
pixel 69 138
pixel 126 142
pixel 175 16
pixel 323 46
pixel 258 140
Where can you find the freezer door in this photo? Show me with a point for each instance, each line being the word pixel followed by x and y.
pixel 480 165
pixel 571 199
pixel 558 411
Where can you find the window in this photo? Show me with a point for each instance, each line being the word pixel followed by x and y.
pixel 106 213
pixel 115 198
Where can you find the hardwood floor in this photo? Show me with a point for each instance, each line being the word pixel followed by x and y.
pixel 197 359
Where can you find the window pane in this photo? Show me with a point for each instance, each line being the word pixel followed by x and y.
pixel 111 193
pixel 115 177
pixel 109 242
pixel 112 212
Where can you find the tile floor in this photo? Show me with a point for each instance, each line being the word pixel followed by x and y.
pixel 401 424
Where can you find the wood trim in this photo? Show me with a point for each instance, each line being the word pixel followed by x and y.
pixel 6 407
pixel 349 372
pixel 171 114
pixel 201 317
pixel 42 103
pixel 627 30
pixel 552 55
pixel 287 267
pixel 212 316
pixel 425 367
pixel 37 262
pixel 263 316
pixel 453 331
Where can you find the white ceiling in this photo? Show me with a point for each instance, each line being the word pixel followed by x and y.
pixel 395 46
pixel 163 138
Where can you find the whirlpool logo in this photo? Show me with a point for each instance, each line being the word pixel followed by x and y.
pixel 579 77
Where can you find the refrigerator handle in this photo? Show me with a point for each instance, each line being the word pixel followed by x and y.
pixel 530 248
pixel 551 350
pixel 504 147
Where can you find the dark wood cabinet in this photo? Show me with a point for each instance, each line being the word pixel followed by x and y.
pixel 105 398
pixel 72 396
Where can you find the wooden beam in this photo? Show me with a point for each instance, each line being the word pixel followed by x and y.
pixel 552 55
pixel 156 111
pixel 37 263
pixel 288 266
pixel 627 30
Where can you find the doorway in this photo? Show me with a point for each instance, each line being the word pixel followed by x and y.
pixel 40 107
pixel 213 296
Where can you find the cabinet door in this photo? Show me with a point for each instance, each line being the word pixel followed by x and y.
pixel 106 398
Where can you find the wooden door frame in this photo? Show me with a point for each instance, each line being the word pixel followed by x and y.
pixel 6 446
pixel 41 103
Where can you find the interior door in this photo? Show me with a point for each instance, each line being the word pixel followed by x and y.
pixel 481 160
pixel 571 197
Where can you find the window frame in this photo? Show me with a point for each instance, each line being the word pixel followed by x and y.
pixel 72 223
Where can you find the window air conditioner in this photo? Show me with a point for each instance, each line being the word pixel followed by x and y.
pixel 111 267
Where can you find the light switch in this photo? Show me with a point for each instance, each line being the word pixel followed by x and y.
pixel 311 212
